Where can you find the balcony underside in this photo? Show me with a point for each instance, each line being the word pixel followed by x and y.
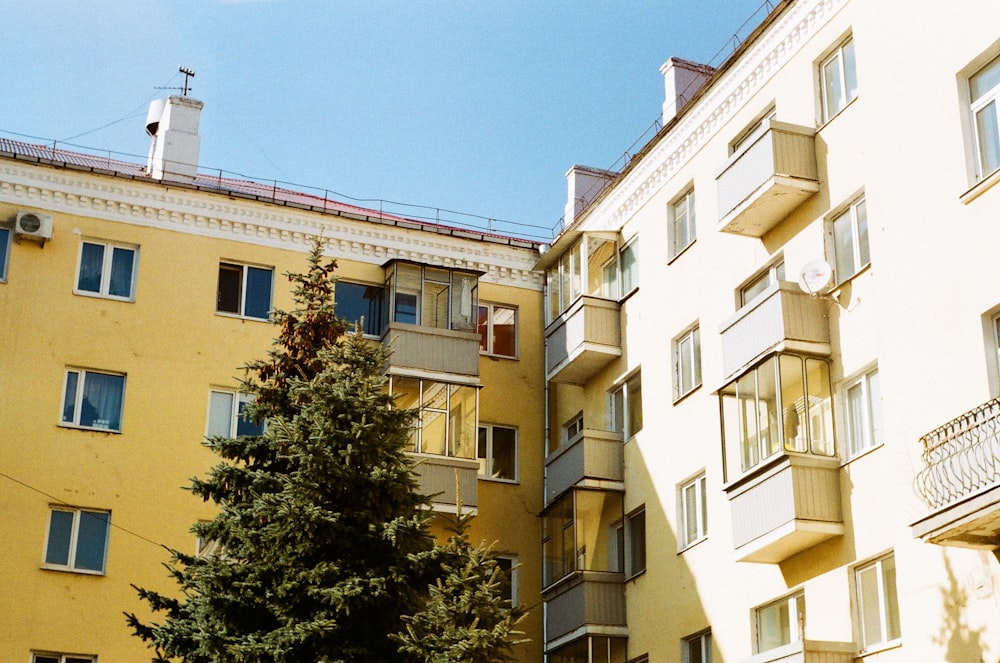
pixel 973 522
pixel 776 198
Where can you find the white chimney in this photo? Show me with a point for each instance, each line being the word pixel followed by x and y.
pixel 681 79
pixel 174 147
pixel 583 185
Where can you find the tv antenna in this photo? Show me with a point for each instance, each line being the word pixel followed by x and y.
pixel 188 75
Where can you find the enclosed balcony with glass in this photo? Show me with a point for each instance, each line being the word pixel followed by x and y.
pixel 430 318
pixel 583 286
pixel 780 463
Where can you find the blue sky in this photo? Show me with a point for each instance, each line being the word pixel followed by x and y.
pixel 473 107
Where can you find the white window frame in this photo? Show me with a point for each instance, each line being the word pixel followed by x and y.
pixel 490 350
pixel 486 470
pixel 795 604
pixel 860 245
pixel 748 292
pixel 629 266
pixel 683 225
pixel 5 242
pixel 70 564
pixel 704 640
pixel 620 405
pixel 871 435
pixel 107 261
pixel 687 361
pixel 837 58
pixel 46 657
pixel 78 399
pixel 633 540
pixel 515 572
pixel 243 293
pixel 239 398
pixel 884 604
pixel 756 129
pixel 684 499
pixel 986 98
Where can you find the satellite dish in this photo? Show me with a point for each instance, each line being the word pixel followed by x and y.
pixel 815 276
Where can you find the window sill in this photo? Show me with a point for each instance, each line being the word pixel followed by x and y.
pixel 486 477
pixel 688 393
pixel 862 454
pixel 99 295
pixel 833 117
pixel 66 569
pixel 635 576
pixel 92 429
pixel 491 355
pixel 628 295
pixel 237 316
pixel 879 648
pixel 980 187
pixel 692 545
pixel 682 251
pixel 840 284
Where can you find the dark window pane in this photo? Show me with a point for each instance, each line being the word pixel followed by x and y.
pixel 357 302
pixel 504 453
pixel 4 244
pixel 122 261
pixel 230 283
pixel 504 331
pixel 90 541
pixel 102 401
pixel 245 426
pixel 258 296
pixel 637 538
pixel 406 308
pixel 60 529
pixel 69 402
pixel 91 259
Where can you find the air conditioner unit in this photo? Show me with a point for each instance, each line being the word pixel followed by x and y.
pixel 33 225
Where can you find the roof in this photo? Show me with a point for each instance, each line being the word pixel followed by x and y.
pixel 242 188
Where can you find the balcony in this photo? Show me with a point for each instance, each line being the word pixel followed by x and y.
pixel 432 349
pixel 595 459
pixel 446 480
pixel 780 318
pixel 808 651
pixel 785 506
pixel 585 602
pixel 762 184
pixel 583 340
pixel 960 481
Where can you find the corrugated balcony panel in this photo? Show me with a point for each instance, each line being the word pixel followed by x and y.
pixel 587 599
pixel 444 479
pixel 432 349
pixel 583 340
pixel 762 184
pixel 960 481
pixel 780 318
pixel 785 506
pixel 808 651
pixel 596 456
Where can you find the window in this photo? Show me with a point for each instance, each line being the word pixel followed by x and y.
pixel 573 428
pixel 630 266
pixel 577 534
pixel 693 515
pixel 78 540
pixel 498 330
pixel 360 304
pixel 626 407
pixel 687 363
pixel 850 240
pixel 878 608
pixel 448 414
pixel 432 296
pixel 62 658
pixel 497 452
pixel 635 543
pixel 984 89
pixel 697 648
pixel 107 270
pixel 244 290
pixel 780 623
pixel 509 567
pixel 765 279
pixel 592 266
pixel 863 401
pixel 93 400
pixel 592 649
pixel 225 415
pixel 750 135
pixel 4 252
pixel 682 225
pixel 838 80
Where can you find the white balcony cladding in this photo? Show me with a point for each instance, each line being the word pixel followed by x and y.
pixel 780 318
pixel 808 651
pixel 594 459
pixel 583 340
pixel 586 602
pixel 762 183
pixel 447 481
pixel 960 481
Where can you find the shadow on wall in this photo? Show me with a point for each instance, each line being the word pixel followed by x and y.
pixel 962 643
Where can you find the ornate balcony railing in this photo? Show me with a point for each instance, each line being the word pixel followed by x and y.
pixel 961 457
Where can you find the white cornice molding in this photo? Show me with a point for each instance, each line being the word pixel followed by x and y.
pixel 66 191
pixel 759 63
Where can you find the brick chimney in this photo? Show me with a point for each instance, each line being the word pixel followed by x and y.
pixel 172 124
pixel 681 79
pixel 583 185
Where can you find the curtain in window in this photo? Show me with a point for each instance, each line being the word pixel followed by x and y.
pixel 102 401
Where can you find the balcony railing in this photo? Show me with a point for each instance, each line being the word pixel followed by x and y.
pixel 960 481
pixel 781 318
pixel 583 340
pixel 446 480
pixel 432 349
pixel 596 456
pixel 586 601
pixel 762 184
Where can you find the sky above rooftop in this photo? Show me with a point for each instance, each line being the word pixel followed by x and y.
pixel 473 107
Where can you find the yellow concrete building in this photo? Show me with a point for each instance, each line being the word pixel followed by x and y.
pixel 131 294
pixel 768 342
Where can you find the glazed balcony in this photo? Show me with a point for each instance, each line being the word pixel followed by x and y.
pixel 594 459
pixel 585 602
pixel 583 340
pixel 780 318
pixel 432 349
pixel 446 479
pixel 960 481
pixel 808 651
pixel 786 505
pixel 763 183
